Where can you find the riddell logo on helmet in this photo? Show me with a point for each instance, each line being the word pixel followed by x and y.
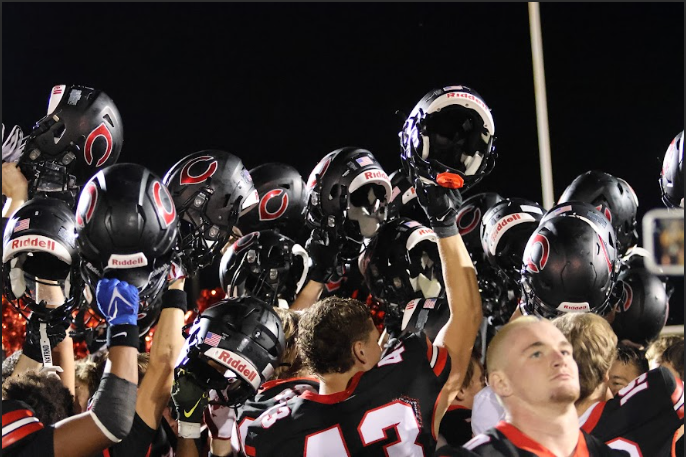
pixel 467 97
pixel 375 174
pixel 34 242
pixel 504 223
pixel 238 364
pixel 127 261
pixel 574 307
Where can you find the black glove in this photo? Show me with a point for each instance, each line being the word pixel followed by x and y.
pixel 323 252
pixel 56 328
pixel 190 400
pixel 440 205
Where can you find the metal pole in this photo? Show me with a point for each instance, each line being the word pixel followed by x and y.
pixel 541 106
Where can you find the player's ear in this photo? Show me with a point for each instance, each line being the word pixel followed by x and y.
pixel 359 352
pixel 499 383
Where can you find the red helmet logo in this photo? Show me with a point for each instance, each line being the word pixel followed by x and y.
pixel 628 297
pixel 536 263
pixel 466 224
pixel 606 211
pixel 99 131
pixel 165 206
pixel 187 178
pixel 87 201
pixel 320 170
pixel 605 254
pixel 245 241
pixel 264 213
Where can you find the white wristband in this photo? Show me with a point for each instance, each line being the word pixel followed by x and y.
pixel 189 429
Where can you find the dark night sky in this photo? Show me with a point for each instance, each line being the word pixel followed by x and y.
pixel 292 82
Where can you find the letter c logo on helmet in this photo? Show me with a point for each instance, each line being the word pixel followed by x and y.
pixel 465 228
pixel 628 296
pixel 167 214
pixel 187 178
pixel 99 131
pixel 87 201
pixel 536 263
pixel 264 213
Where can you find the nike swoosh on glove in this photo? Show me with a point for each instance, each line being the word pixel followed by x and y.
pixel 118 301
pixel 440 205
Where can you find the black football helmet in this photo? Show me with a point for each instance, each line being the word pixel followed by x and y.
pixel 428 315
pixel 404 201
pixel 127 226
pixel 39 249
pixel 81 134
pixel 347 194
pixel 266 265
pixel 505 230
pixel 282 202
pixel 244 336
pixel 672 175
pixel 569 265
pixel 448 138
pixel 613 197
pixel 211 191
pixel 642 310
pixel 402 263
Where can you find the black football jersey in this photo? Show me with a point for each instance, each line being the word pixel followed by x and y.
pixel 22 433
pixel 271 393
pixel 506 440
pixel 642 417
pixel 456 425
pixel 388 410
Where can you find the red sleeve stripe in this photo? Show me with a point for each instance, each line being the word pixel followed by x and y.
pixel 441 359
pixel 250 451
pixel 20 433
pixel 678 398
pixel 429 350
pixel 12 416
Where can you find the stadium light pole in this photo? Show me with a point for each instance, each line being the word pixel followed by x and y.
pixel 541 106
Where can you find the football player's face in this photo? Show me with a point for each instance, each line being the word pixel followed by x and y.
pixel 622 374
pixel 541 368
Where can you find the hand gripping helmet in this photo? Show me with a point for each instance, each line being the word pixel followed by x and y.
pixel 504 231
pixel 448 138
pixel 347 194
pixel 672 175
pixel 282 202
pixel 127 227
pixel 643 308
pixel 402 263
pixel 404 201
pixel 613 197
pixel 233 347
pixel 468 221
pixel 266 265
pixel 211 191
pixel 39 252
pixel 569 266
pixel 81 134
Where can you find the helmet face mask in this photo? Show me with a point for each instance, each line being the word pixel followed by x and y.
pixel 448 139
pixel 81 134
pixel 265 265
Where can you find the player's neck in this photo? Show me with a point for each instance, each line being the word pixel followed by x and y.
pixel 556 428
pixel 332 383
pixel 601 393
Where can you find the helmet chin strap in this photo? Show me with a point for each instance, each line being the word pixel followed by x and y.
pixel 369 216
pixel 430 288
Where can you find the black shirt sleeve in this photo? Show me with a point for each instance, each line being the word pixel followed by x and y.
pixel 137 442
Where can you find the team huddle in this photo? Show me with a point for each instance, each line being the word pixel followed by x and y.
pixel 364 314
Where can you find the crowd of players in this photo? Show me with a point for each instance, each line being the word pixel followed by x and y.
pixel 365 314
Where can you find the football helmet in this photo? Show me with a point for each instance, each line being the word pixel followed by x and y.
pixel 266 265
pixel 404 201
pixel 428 315
pixel 402 263
pixel 569 266
pixel 347 194
pixel 469 219
pixel 672 175
pixel 81 134
pixel 642 311
pixel 613 197
pixel 448 138
pixel 211 191
pixel 504 231
pixel 282 202
pixel 39 252
pixel 242 335
pixel 127 226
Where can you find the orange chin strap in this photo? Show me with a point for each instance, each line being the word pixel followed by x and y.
pixel 449 180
